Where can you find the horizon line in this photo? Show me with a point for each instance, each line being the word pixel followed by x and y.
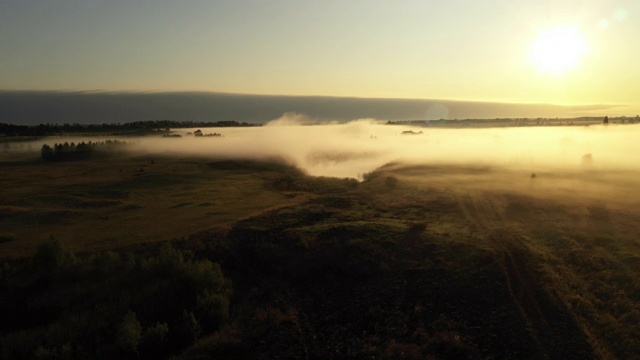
pixel 225 93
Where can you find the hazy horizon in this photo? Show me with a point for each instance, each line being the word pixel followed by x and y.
pixel 570 53
pixel 96 107
pixel 353 148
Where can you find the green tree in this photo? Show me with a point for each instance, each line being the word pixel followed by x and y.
pixel 129 334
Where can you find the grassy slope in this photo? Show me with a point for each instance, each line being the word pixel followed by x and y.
pixel 578 234
pixel 385 272
pixel 443 264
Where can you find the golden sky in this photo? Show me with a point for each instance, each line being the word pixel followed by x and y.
pixel 529 51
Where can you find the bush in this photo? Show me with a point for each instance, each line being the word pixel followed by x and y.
pixel 188 330
pixel 154 340
pixel 370 175
pixel 391 182
pixel 212 309
pixel 49 259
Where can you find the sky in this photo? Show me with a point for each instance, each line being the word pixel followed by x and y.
pixel 566 52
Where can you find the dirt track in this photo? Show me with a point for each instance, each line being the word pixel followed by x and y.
pixel 549 323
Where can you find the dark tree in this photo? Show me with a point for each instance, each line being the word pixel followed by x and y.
pixel 391 182
pixel 46 152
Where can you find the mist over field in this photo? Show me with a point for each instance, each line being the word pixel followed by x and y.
pixel 354 148
pixel 345 150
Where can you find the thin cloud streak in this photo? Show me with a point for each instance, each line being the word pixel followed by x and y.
pixel 35 107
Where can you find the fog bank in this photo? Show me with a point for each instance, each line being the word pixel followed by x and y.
pixel 59 107
pixel 353 148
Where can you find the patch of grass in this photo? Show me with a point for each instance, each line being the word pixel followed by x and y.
pixel 181 205
pixel 9 211
pixel 53 217
pixel 110 199
pixel 6 238
pixel 98 203
pixel 131 207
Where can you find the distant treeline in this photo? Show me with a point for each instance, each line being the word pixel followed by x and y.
pixel 506 122
pixel 81 151
pixel 135 127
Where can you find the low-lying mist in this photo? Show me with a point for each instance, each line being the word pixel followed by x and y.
pixel 597 161
pixel 353 148
pixel 357 147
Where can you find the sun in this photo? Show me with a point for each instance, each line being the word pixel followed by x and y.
pixel 558 50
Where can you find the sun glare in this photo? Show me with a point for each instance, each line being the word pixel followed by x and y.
pixel 558 50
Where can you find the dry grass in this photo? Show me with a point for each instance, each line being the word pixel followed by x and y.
pixel 556 253
pixel 578 230
pixel 96 205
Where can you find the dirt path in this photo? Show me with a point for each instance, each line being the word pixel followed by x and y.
pixel 546 317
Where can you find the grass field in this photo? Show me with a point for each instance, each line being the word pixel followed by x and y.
pixel 417 261
pixel 566 241
pixel 98 205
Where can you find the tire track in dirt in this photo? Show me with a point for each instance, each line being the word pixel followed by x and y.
pixel 547 320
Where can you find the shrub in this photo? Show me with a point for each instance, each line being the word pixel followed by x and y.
pixel 48 259
pixel 187 331
pixel 391 182
pixel 153 341
pixel 212 309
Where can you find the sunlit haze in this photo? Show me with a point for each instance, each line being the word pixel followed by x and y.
pixel 317 179
pixel 360 146
pixel 559 50
pixel 550 52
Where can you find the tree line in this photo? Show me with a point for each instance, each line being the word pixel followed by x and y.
pixel 81 151
pixel 129 127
